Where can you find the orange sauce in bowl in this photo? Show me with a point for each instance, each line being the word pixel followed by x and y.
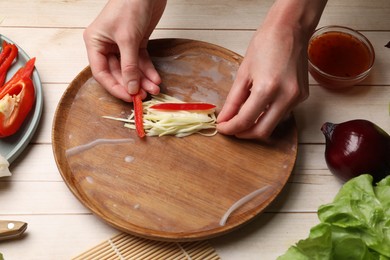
pixel 339 54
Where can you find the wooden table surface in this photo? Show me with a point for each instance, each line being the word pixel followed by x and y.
pixel 60 227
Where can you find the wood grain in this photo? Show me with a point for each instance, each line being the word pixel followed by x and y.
pixel 202 14
pixel 175 188
pixel 60 227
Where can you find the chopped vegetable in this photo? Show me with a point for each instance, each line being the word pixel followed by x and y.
pixel 354 226
pixel 8 54
pixel 4 170
pixel 17 98
pixel 183 106
pixel 179 123
pixel 138 115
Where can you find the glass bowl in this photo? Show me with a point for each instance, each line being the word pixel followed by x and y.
pixel 339 56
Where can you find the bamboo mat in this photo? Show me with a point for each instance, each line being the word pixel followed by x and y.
pixel 125 246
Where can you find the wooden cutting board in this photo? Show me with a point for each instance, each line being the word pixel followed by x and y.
pixel 168 188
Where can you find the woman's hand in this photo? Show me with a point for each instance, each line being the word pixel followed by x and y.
pixel 270 82
pixel 116 46
pixel 273 77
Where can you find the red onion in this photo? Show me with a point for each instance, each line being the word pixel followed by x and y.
pixel 357 147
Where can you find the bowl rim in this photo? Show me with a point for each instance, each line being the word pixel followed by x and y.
pixel 343 29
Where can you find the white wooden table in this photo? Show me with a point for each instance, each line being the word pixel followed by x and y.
pixel 60 227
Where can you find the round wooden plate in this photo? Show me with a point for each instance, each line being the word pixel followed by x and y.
pixel 168 188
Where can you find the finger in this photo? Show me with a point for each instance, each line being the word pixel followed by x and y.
pixel 143 93
pixel 269 120
pixel 115 68
pixel 150 86
pixel 129 64
pixel 147 67
pixel 100 67
pixel 265 126
pixel 257 103
pixel 237 95
pixel 247 117
pixel 116 88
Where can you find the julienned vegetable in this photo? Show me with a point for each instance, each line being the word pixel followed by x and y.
pixel 138 115
pixel 354 226
pixel 183 106
pixel 356 147
pixel 179 123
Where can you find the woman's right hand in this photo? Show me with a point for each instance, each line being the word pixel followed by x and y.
pixel 116 44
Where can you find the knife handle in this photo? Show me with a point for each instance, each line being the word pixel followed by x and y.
pixel 11 229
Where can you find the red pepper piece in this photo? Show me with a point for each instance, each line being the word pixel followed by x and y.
pixel 183 106
pixel 138 115
pixel 17 98
pixel 8 55
pixel 23 72
pixel 5 51
pixel 15 104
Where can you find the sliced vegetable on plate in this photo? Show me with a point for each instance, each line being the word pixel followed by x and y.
pixel 183 106
pixel 138 115
pixel 16 103
pixel 9 53
pixel 17 98
pixel 166 115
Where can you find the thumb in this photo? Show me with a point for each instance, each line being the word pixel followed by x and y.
pixel 130 70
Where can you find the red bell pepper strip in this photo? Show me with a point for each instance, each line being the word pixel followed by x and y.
pixel 138 115
pixel 5 51
pixel 7 56
pixel 183 106
pixel 17 98
pixel 23 72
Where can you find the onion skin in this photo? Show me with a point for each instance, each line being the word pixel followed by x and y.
pixel 357 147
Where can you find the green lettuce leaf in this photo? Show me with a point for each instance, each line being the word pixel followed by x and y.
pixel 356 225
pixel 317 246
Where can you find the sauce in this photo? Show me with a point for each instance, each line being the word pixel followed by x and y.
pixel 339 54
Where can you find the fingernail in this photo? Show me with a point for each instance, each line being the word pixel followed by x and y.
pixel 132 87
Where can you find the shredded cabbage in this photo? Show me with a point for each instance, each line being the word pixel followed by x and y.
pixel 178 123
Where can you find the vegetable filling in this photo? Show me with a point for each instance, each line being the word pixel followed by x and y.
pixel 180 123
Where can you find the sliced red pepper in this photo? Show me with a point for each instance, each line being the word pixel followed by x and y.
pixel 17 98
pixel 23 72
pixel 5 51
pixel 183 106
pixel 7 56
pixel 15 104
pixel 138 115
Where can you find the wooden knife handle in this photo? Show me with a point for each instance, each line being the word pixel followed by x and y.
pixel 11 229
